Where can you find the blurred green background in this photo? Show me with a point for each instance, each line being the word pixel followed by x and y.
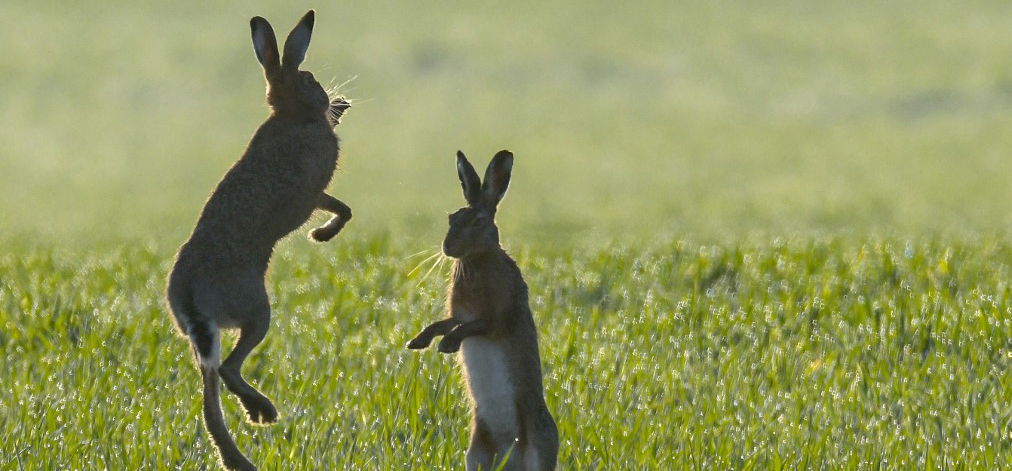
pixel 707 119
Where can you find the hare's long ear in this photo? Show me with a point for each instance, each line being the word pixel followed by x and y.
pixel 265 45
pixel 468 180
pixel 298 41
pixel 497 178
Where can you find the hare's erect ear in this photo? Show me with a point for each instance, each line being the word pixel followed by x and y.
pixel 298 41
pixel 497 178
pixel 468 180
pixel 265 45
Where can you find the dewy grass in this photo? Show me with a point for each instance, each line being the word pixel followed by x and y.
pixel 856 353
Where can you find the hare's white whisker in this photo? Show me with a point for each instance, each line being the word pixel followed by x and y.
pixel 336 90
pixel 346 82
pixel 423 262
pixel 460 271
pixel 439 261
pixel 357 101
pixel 422 252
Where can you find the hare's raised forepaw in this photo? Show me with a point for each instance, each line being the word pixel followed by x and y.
pixel 325 233
pixel 449 345
pixel 419 343
pixel 321 234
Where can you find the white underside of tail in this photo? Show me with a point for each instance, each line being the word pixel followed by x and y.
pixel 491 386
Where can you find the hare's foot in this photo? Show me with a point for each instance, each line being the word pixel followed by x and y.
pixel 259 409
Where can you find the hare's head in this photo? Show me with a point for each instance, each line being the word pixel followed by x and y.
pixel 472 228
pixel 290 91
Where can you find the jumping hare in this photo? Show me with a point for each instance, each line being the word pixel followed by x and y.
pixel 491 324
pixel 218 278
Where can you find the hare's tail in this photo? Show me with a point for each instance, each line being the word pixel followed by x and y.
pixel 207 346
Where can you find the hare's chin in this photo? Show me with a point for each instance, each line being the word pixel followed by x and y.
pixel 450 251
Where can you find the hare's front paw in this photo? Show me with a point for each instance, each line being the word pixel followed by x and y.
pixel 419 342
pixel 328 230
pixel 325 233
pixel 322 234
pixel 449 345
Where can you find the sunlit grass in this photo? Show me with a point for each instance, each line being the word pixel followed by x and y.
pixel 769 354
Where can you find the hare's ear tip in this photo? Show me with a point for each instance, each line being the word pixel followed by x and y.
pixel 504 157
pixel 310 17
pixel 460 154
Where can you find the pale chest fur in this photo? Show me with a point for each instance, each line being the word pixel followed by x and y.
pixel 491 384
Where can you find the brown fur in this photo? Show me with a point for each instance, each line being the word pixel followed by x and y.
pixel 491 322
pixel 218 278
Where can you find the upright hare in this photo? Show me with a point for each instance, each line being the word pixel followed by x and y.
pixel 491 324
pixel 218 278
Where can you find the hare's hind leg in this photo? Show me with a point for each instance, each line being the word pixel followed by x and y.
pixel 481 454
pixel 541 444
pixel 259 409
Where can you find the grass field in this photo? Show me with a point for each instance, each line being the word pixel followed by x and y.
pixel 774 237
pixel 788 355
